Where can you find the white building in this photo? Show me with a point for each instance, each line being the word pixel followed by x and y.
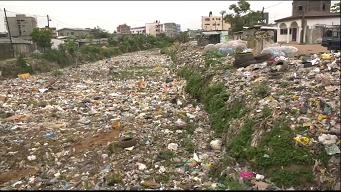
pixel 138 30
pixel 290 28
pixel 154 28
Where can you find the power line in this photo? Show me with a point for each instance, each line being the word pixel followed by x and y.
pixel 274 5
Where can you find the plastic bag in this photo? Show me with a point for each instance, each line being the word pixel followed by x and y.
pixel 277 51
pixel 218 45
pixel 236 45
pixel 224 51
pixel 209 47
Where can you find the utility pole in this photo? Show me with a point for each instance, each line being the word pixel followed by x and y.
pixel 303 23
pixel 9 33
pixel 263 15
pixel 48 21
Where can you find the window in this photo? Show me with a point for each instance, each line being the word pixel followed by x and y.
pixel 300 8
pixel 213 19
pixel 218 24
pixel 207 24
pixel 61 34
pixel 71 33
pixel 67 33
pixel 290 31
pixel 323 7
pixel 284 31
pixel 207 19
pixel 23 25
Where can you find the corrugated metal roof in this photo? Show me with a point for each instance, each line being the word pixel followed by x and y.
pixel 211 33
pixel 15 41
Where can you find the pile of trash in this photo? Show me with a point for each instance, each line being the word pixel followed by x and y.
pixel 120 123
pixel 303 90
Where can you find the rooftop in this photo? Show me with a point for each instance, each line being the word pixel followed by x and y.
pixel 14 40
pixel 138 27
pixel 74 29
pixel 311 14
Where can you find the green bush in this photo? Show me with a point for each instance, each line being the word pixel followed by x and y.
pixel 24 67
pixel 58 56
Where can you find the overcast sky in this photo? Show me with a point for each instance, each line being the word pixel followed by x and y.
pixel 109 14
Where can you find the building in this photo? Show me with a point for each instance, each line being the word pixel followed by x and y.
pixel 154 28
pixel 169 29
pixel 214 23
pixel 21 26
pixel 178 29
pixel 290 28
pixel 53 30
pixel 73 32
pixel 138 30
pixel 298 6
pixel 124 29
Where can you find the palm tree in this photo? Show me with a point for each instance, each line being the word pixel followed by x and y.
pixel 222 13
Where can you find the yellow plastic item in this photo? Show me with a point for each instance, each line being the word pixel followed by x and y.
pixel 158 68
pixel 24 75
pixel 326 56
pixel 302 140
pixel 313 87
pixel 295 97
pixel 321 117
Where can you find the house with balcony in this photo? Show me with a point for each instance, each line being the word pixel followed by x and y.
pixel 154 28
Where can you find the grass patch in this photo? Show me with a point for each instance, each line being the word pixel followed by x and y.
pixel 188 144
pixel 24 67
pixel 57 73
pixel 212 58
pixel 292 178
pixel 261 89
pixel 266 112
pixel 284 84
pixel 167 154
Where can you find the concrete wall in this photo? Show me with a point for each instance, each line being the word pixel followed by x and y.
pixel 321 6
pixel 56 43
pixel 72 33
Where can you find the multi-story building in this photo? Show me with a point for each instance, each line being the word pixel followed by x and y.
pixel 124 29
pixel 73 32
pixel 298 6
pixel 214 23
pixel 154 28
pixel 178 29
pixel 53 30
pixel 21 26
pixel 169 29
pixel 138 30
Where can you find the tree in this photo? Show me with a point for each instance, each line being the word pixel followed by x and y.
pixel 222 13
pixel 90 38
pixel 42 37
pixel 335 8
pixel 242 15
pixel 100 33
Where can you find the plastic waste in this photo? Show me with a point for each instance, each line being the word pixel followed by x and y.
pixel 172 146
pixel 224 51
pixel 277 51
pixel 209 47
pixel 302 140
pixel 332 150
pixel 50 135
pixel 216 144
pixel 246 174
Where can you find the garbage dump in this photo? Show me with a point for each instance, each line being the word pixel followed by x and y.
pixel 294 103
pixel 128 124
